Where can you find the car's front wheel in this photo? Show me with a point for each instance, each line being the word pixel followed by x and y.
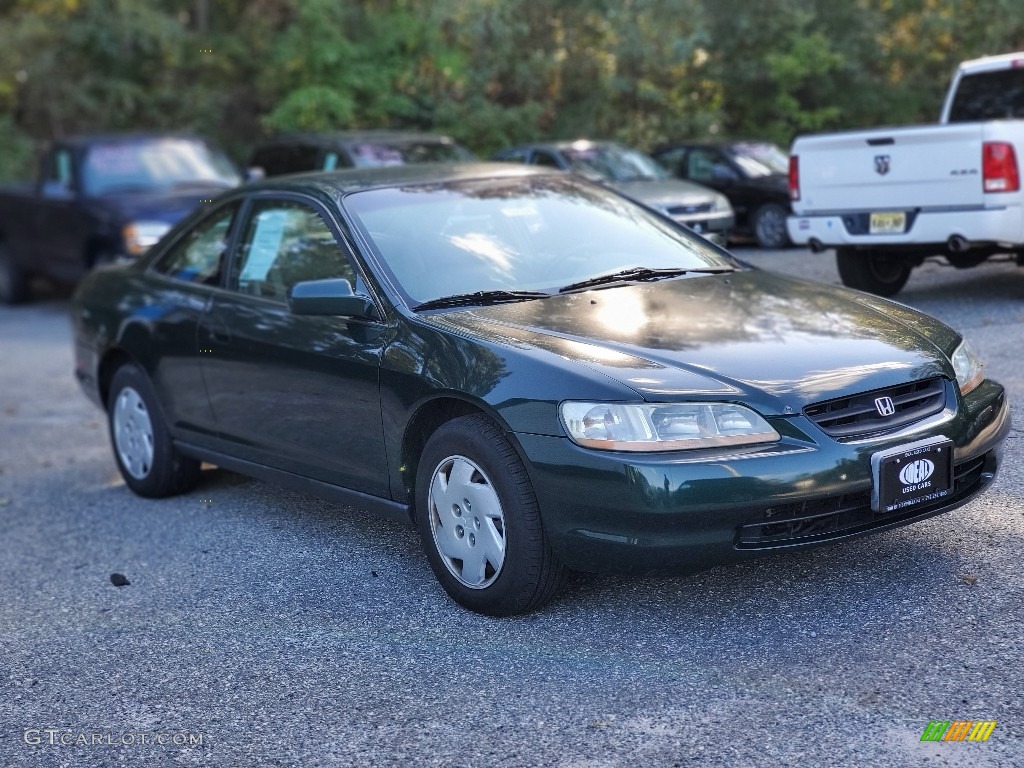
pixel 872 271
pixel 480 523
pixel 149 463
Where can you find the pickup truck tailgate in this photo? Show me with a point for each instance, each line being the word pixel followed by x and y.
pixel 880 169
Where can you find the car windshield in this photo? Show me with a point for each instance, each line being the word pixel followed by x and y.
pixel 374 154
pixel 761 159
pixel 155 164
pixel 612 162
pixel 535 233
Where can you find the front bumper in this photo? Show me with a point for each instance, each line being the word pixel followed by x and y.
pixel 713 223
pixel 652 513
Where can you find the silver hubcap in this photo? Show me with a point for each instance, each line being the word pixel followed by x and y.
pixel 467 522
pixel 133 433
pixel 771 225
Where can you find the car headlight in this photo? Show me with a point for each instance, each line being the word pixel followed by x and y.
pixel 722 204
pixel 968 367
pixel 663 427
pixel 140 236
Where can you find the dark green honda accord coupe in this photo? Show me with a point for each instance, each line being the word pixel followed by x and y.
pixel 539 373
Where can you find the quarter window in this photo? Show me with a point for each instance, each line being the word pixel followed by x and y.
pixel 287 243
pixel 198 257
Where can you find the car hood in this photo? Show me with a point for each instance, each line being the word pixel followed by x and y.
pixel 169 206
pixel 773 342
pixel 665 192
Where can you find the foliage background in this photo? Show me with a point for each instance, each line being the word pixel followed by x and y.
pixel 489 72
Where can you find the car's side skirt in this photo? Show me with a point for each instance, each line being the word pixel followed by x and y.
pixel 386 507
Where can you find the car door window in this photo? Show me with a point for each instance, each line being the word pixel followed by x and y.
pixel 284 243
pixel 672 161
pixel 58 180
pixel 546 159
pixel 198 257
pixel 700 165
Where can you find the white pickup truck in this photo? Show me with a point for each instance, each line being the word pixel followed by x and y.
pixel 887 198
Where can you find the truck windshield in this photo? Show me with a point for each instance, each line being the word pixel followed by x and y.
pixel 154 164
pixel 989 96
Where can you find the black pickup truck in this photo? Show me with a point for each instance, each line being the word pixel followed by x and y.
pixel 102 198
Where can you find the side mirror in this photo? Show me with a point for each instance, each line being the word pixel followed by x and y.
pixel 329 297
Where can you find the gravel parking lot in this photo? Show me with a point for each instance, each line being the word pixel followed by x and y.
pixel 262 627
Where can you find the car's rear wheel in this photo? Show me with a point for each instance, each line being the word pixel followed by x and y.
pixel 480 523
pixel 14 282
pixel 872 271
pixel 149 463
pixel 770 226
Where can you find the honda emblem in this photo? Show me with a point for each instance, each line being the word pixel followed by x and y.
pixel 882 164
pixel 885 406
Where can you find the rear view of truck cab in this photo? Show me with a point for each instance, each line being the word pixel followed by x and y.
pixel 887 198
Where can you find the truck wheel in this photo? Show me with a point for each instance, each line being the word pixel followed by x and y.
pixel 872 271
pixel 770 226
pixel 14 283
pixel 480 523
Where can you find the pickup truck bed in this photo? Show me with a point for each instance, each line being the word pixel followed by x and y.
pixel 887 198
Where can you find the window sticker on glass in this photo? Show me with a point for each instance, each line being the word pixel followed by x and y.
pixel 331 161
pixel 266 242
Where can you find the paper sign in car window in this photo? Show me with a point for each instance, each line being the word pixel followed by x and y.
pixel 266 242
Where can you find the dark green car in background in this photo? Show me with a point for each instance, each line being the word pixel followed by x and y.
pixel 539 372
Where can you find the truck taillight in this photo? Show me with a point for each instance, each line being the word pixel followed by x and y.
pixel 794 177
pixel 999 167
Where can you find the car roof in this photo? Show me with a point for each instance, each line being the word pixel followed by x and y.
pixel 715 143
pixel 561 145
pixel 354 137
pixel 337 183
pixel 85 140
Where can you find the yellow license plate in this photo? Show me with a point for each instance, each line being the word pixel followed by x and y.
pixel 888 223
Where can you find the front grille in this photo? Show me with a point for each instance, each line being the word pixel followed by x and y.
pixel 683 210
pixel 836 516
pixel 859 415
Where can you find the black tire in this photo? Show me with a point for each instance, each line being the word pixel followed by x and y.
pixel 472 453
pixel 769 225
pixel 872 271
pixel 14 282
pixel 145 454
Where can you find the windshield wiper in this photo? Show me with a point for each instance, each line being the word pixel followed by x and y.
pixel 640 274
pixel 480 298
